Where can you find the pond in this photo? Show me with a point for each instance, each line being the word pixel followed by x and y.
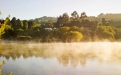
pixel 89 58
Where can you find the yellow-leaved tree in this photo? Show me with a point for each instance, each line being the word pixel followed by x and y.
pixel 2 27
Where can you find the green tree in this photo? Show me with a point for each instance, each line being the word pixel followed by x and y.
pixel 118 33
pixel 49 25
pixel 75 20
pixel 83 15
pixel 63 20
pixel 19 24
pixel 14 22
pixel 103 21
pixel 25 24
pixel 75 15
pixel 36 27
pixel 105 32
pixel 59 22
pixel 30 24
pixel 66 18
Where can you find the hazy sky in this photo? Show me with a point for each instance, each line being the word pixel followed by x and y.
pixel 31 9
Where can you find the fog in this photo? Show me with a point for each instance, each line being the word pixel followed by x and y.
pixel 109 52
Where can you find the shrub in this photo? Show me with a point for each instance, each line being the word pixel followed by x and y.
pixel 23 38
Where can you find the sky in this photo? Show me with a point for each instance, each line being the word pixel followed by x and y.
pixel 31 9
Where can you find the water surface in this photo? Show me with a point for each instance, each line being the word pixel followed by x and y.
pixel 97 58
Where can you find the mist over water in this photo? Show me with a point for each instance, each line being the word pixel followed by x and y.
pixel 86 54
pixel 103 51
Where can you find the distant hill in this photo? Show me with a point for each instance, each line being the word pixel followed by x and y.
pixel 45 19
pixel 110 16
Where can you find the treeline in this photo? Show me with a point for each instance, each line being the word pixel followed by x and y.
pixel 110 16
pixel 65 28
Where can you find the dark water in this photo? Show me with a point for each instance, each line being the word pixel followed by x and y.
pixel 100 58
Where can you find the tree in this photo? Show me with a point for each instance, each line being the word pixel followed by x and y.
pixel 83 15
pixel 25 24
pixel 14 22
pixel 74 28
pixel 73 36
pixel 19 24
pixel 101 15
pixel 75 20
pixel 63 20
pixel 48 25
pixel 118 33
pixel 30 24
pixel 2 21
pixel 105 32
pixel 66 18
pixel 2 26
pixel 8 21
pixel 61 31
pixel 75 15
pixel 59 21
pixel 103 21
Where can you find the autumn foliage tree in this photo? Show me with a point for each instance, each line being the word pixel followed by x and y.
pixel 2 26
pixel 73 36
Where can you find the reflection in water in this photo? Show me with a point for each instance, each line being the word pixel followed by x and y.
pixel 74 53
